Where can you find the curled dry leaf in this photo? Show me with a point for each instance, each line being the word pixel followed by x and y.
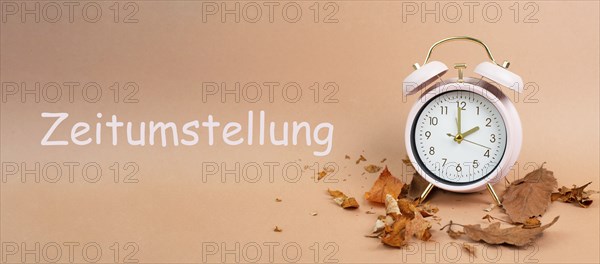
pixel 277 229
pixel 391 205
pixel 347 157
pixel 529 196
pixel 401 223
pixel 395 235
pixel 576 195
pixel 361 158
pixel 383 160
pixel 385 184
pixel 417 185
pixel 516 235
pixel 344 201
pixel 372 168
pixel 278 200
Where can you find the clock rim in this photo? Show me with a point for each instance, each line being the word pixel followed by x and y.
pixel 505 108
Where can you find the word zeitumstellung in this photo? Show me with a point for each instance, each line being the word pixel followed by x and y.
pixel 189 133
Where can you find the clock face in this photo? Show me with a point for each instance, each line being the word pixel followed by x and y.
pixel 459 137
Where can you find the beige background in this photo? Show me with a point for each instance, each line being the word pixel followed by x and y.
pixel 171 212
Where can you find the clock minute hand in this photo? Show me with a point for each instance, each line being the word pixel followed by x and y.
pixel 450 135
pixel 458 121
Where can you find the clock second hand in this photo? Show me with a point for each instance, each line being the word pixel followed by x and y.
pixel 450 135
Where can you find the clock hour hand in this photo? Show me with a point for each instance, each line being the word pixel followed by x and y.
pixel 470 131
pixel 462 139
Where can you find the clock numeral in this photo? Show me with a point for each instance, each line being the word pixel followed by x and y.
pixel 475 164
pixel 433 120
pixel 458 168
pixel 493 138
pixel 488 122
pixel 478 110
pixel 444 109
pixel 487 153
pixel 444 160
pixel 462 105
pixel 428 134
pixel 431 151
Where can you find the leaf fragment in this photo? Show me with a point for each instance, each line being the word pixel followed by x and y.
pixel 530 196
pixel 470 248
pixel 342 200
pixel 372 168
pixel 361 158
pixel 277 229
pixel 575 195
pixel 385 184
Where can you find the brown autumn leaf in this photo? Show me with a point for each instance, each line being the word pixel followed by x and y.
pixel 277 229
pixel 342 200
pixel 385 184
pixel 361 158
pixel 419 227
pixel 418 184
pixel 575 195
pixel 529 196
pixel 516 235
pixel 395 235
pixel 372 168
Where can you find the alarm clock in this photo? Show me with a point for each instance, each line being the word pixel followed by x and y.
pixel 463 134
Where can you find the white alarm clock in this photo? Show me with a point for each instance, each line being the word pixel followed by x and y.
pixel 462 134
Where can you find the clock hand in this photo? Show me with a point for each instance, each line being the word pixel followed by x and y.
pixel 470 131
pixel 458 121
pixel 462 139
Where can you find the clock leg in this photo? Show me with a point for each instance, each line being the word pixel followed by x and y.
pixel 425 192
pixel 494 195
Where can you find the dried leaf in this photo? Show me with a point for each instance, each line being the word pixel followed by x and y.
pixel 391 205
pixel 407 207
pixel 342 200
pixel 529 196
pixel 347 157
pixel 369 212
pixel 385 184
pixel 417 185
pixel 278 200
pixel 470 249
pixel 361 158
pixel 427 209
pixel 350 203
pixel 576 195
pixel 395 235
pixel 419 227
pixel 379 226
pixel 372 168
pixel 277 229
pixel 515 235
pixel 314 213
pixel 383 160
pixel 326 171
